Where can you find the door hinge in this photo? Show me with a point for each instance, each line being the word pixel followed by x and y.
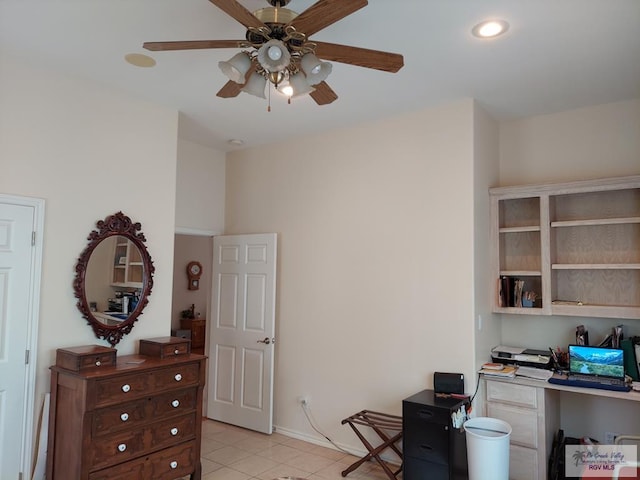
pixel 33 238
pixel 26 357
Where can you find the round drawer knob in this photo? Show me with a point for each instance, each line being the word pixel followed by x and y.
pixel 178 377
pixel 124 417
pixel 126 387
pixel 174 464
pixel 122 447
pixel 98 363
pixel 175 404
pixel 174 431
pixel 176 351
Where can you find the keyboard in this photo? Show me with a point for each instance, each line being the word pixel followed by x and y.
pixel 591 382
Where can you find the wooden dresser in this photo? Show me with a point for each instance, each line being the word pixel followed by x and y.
pixel 137 417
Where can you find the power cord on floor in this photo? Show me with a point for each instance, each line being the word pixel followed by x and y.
pixel 306 409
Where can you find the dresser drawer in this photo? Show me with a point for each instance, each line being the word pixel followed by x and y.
pixel 116 448
pixel 173 462
pixel 523 421
pixel 522 395
pixel 176 376
pixel 127 415
pixel 169 464
pixel 121 389
pixel 174 403
pixel 170 432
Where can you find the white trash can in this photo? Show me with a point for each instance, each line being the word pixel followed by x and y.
pixel 487 448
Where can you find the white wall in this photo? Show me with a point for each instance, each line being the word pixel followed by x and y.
pixel 485 173
pixel 375 285
pixel 200 189
pixel 88 152
pixel 592 142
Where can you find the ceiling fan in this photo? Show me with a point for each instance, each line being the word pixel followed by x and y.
pixel 278 49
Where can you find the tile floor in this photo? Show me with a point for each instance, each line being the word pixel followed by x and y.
pixel 233 453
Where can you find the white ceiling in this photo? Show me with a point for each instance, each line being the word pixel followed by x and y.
pixel 557 55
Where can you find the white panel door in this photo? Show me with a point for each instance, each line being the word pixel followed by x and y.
pixel 17 223
pixel 240 386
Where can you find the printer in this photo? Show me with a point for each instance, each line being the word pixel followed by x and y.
pixel 526 357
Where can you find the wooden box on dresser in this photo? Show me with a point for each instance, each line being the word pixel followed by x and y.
pixel 139 419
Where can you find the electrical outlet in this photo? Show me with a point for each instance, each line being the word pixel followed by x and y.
pixel 304 400
pixel 609 438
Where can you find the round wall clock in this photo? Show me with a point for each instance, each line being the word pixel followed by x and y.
pixel 194 271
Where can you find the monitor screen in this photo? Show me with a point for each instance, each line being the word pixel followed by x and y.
pixel 601 361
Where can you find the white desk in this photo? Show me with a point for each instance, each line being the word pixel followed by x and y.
pixel 532 408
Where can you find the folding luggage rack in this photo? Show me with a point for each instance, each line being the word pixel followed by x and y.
pixel 381 423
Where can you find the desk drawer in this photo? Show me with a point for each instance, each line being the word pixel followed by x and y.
pixel 524 423
pixel 523 463
pixel 521 395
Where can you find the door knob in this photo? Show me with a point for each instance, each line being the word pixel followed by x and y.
pixel 266 341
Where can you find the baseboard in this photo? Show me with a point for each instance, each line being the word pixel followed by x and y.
pixel 325 443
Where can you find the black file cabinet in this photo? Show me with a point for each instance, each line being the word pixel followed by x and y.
pixel 432 448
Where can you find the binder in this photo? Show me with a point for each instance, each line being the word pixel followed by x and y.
pixel 630 361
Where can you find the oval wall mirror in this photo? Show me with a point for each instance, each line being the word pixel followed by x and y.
pixel 114 276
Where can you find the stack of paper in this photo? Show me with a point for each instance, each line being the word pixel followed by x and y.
pixel 508 371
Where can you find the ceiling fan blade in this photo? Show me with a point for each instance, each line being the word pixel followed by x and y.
pixel 192 44
pixel 238 12
pixel 233 89
pixel 323 13
pixel 362 57
pixel 229 90
pixel 323 94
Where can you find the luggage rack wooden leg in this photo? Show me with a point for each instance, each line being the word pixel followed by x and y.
pixel 381 423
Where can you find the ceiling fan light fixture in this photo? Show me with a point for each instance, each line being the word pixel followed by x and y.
pixel 237 67
pixel 274 56
pixel 299 84
pixel 315 70
pixel 255 85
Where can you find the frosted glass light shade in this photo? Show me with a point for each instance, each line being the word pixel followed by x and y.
pixel 274 56
pixel 300 85
pixel 315 70
pixel 255 85
pixel 236 68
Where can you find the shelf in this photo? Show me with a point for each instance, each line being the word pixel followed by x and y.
pixel 596 266
pixel 532 228
pixel 520 273
pixel 573 240
pixel 595 221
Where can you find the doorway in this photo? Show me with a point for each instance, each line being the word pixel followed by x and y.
pixel 190 306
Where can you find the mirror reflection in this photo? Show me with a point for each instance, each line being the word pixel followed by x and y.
pixel 114 279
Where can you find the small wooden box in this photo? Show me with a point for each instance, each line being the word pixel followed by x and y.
pixel 164 347
pixel 84 357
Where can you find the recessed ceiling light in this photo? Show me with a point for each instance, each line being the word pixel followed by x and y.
pixel 140 60
pixel 490 28
pixel 235 142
